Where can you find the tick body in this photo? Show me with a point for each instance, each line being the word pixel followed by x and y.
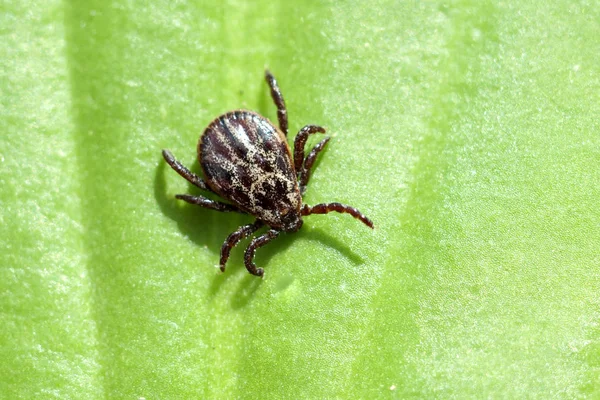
pixel 247 160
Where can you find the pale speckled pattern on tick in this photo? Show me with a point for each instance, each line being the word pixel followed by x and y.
pixel 246 159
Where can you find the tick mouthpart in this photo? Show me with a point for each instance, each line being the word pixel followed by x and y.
pixel 291 222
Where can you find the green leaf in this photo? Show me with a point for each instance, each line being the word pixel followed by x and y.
pixel 467 130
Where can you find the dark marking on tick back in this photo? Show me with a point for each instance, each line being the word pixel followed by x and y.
pixel 248 161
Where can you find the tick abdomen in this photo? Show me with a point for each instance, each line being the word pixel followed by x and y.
pixel 247 160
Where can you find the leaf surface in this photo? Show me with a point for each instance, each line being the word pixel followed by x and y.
pixel 466 130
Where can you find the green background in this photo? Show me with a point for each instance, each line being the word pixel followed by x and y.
pixel 467 130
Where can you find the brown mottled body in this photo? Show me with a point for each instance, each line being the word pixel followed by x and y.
pixel 247 161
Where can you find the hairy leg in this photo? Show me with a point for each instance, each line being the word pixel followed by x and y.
pixel 184 172
pixel 255 244
pixel 208 203
pixel 326 208
pixel 309 161
pixel 233 239
pixel 300 142
pixel 279 102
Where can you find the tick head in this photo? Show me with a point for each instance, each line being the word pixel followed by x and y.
pixel 291 220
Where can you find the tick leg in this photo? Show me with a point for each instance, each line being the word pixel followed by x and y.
pixel 184 172
pixel 207 203
pixel 279 102
pixel 233 239
pixel 300 141
pixel 325 208
pixel 255 244
pixel 309 161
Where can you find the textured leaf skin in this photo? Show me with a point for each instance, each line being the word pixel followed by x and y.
pixel 467 130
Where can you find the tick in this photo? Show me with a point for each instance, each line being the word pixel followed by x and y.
pixel 247 161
